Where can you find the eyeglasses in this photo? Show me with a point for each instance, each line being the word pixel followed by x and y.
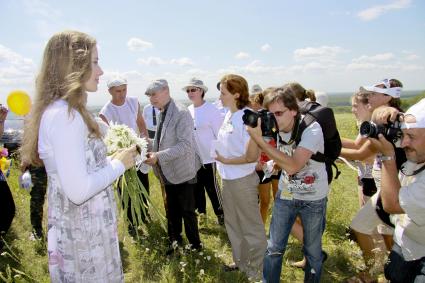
pixel 279 113
pixel 191 90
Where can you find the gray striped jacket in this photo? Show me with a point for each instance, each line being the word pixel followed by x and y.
pixel 177 154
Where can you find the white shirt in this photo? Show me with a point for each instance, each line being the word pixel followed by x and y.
pixel 147 115
pixel 231 142
pixel 409 231
pixel 125 114
pixel 62 147
pixel 311 182
pixel 207 120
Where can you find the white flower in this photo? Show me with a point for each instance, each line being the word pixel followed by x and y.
pixel 208 258
pixel 197 261
pixel 201 272
pixel 201 253
pixel 122 136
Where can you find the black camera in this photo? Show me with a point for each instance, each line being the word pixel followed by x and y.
pixel 268 121
pixel 391 131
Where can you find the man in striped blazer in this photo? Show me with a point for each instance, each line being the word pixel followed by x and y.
pixel 175 162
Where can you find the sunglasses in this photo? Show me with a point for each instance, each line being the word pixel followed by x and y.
pixel 191 90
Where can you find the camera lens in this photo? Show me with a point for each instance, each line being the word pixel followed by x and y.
pixel 366 129
pixel 250 118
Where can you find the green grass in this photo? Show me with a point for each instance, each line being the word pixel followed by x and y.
pixel 144 261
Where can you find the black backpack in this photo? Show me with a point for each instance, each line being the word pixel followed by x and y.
pixel 313 111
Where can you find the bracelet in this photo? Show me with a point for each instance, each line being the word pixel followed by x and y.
pixel 387 158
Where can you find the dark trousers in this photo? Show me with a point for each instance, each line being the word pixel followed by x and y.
pixel 181 206
pixel 145 182
pixel 398 270
pixel 38 195
pixel 205 177
pixel 7 208
pixel 151 134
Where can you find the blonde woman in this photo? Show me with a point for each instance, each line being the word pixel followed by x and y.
pixel 62 135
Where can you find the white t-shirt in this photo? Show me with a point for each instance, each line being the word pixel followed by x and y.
pixel 311 182
pixel 62 147
pixel 409 231
pixel 207 120
pixel 147 115
pixel 125 114
pixel 231 142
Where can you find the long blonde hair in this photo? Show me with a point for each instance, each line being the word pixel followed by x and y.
pixel 66 66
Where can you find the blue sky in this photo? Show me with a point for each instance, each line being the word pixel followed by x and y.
pixel 330 46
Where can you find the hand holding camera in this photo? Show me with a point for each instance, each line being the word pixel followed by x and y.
pixel 391 130
pixel 268 122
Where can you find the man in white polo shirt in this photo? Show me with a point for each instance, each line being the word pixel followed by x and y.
pixel 403 195
pixel 123 109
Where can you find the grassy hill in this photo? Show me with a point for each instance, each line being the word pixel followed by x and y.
pixel 26 261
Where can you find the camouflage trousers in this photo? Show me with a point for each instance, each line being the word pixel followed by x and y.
pixel 38 195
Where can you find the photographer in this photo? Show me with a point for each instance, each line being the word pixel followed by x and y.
pixel 303 185
pixel 364 224
pixel 403 195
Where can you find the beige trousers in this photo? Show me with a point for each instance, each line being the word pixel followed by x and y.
pixel 244 225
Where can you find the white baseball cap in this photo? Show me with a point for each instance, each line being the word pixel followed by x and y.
pixel 387 89
pixel 116 81
pixel 415 116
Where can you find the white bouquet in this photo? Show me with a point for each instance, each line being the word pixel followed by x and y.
pixel 119 137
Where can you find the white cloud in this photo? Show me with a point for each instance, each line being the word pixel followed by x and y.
pixel 137 44
pixel 151 61
pixel 242 55
pixel 16 72
pixel 266 47
pixel 374 58
pixel 322 53
pixel 378 10
pixel 184 61
pixel 14 67
pixel 157 61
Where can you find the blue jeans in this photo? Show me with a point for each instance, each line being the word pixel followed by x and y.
pixel 313 217
pixel 399 270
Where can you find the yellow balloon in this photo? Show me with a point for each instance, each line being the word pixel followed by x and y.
pixel 19 102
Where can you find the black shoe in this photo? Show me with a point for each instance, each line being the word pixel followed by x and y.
pixel 230 267
pixel 324 256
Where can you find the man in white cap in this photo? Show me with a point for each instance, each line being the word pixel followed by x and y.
pixel 175 161
pixel 123 109
pixel 403 195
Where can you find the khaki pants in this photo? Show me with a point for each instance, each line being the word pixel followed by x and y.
pixel 244 225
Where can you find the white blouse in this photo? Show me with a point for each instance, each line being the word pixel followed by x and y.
pixel 61 146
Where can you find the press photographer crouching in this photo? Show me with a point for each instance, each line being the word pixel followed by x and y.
pixel 303 184
pixel 403 194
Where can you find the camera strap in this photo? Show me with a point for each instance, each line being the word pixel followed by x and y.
pixel 417 171
pixel 294 133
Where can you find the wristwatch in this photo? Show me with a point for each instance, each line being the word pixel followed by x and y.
pixel 387 157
